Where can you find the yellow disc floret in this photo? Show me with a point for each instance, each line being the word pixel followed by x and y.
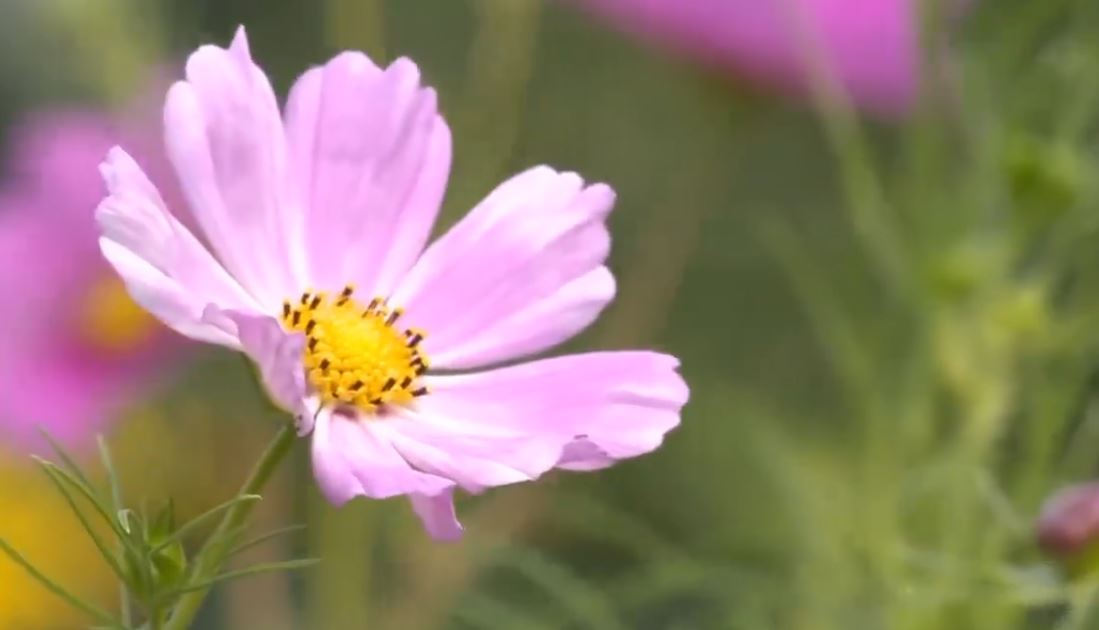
pixel 356 355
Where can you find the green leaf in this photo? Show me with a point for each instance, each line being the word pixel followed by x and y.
pixel 107 554
pixel 262 538
pixel 81 485
pixel 201 519
pixel 91 609
pixel 163 523
pixel 134 558
pixel 267 567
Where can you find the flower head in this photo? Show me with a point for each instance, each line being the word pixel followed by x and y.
pixel 312 260
pixel 76 347
pixel 870 46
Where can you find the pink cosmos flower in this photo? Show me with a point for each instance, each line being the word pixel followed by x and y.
pixel 312 260
pixel 76 347
pixel 870 46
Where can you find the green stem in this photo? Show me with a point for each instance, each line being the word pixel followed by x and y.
pixel 216 550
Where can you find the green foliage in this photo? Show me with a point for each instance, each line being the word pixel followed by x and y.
pixel 149 553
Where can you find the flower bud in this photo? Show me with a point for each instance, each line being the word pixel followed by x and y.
pixel 1069 522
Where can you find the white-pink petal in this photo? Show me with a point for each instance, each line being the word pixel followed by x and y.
pixel 163 296
pixel 168 270
pixel 224 137
pixel 370 159
pixel 351 459
pixel 518 275
pixel 515 423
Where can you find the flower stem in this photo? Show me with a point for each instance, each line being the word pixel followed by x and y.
pixel 216 550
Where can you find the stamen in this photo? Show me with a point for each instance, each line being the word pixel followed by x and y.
pixel 393 316
pixel 355 356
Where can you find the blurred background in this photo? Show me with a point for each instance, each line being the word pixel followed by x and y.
pixel 868 228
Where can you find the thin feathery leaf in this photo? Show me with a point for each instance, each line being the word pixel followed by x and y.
pixel 262 538
pixel 100 544
pixel 116 504
pixel 201 519
pixel 259 569
pixel 86 491
pixel 65 458
pixel 112 475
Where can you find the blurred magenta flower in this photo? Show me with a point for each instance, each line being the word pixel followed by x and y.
pixel 305 216
pixel 870 46
pixel 76 347
pixel 1069 522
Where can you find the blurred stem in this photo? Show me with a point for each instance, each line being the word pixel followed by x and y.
pixel 356 25
pixel 498 69
pixel 338 595
pixel 213 554
pixel 867 207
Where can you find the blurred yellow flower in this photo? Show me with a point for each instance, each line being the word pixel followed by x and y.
pixel 37 522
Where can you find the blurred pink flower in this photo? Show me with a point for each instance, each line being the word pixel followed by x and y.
pixel 310 216
pixel 1069 522
pixel 870 46
pixel 76 347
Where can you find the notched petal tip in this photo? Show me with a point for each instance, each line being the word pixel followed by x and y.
pixel 353 63
pixel 406 68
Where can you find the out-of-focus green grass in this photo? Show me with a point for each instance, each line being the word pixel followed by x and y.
pixel 890 334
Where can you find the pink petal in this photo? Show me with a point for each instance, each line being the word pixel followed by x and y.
pixel 350 459
pixel 438 515
pixel 515 423
pixel 521 273
pixel 371 158
pixel 224 138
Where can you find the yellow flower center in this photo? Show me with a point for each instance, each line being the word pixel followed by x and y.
pixel 354 354
pixel 109 319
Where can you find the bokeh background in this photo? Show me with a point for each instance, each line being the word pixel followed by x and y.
pixel 888 315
